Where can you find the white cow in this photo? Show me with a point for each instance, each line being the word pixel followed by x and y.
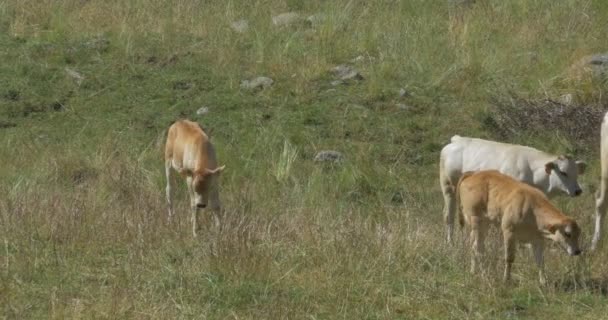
pixel 601 203
pixel 189 152
pixel 549 173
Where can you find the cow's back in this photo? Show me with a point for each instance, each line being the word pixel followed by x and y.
pixel 502 196
pixel 183 138
pixel 473 154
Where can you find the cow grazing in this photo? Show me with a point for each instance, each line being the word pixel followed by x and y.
pixel 549 173
pixel 189 152
pixel 523 213
pixel 601 202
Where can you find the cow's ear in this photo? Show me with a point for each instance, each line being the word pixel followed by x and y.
pixel 217 170
pixel 581 166
pixel 551 228
pixel 549 166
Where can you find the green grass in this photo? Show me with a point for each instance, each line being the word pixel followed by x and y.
pixel 83 229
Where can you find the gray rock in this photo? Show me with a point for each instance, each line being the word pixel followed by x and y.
pixel 329 156
pixel 357 59
pixel 404 107
pixel 345 73
pixel 285 19
pixel 99 43
pixel 593 65
pixel 567 99
pixel 336 83
pixel 202 110
pixel 256 83
pixel 240 26
pixel 316 19
pixel 404 93
pixel 460 2
pixel 599 64
pixel 79 78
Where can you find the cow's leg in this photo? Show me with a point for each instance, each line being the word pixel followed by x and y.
pixel 601 204
pixel 538 248
pixel 168 190
pixel 449 198
pixel 509 244
pixel 478 233
pixel 193 206
pixel 215 206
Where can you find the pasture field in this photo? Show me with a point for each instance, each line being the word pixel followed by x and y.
pixel 87 88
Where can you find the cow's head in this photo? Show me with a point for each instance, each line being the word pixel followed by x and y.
pixel 563 174
pixel 203 183
pixel 566 234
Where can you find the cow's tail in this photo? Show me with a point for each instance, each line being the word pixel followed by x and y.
pixel 458 202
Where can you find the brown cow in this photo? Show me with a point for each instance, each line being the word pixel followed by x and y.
pixel 523 213
pixel 189 152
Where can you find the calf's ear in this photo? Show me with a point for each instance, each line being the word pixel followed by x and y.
pixel 581 166
pixel 215 171
pixel 551 228
pixel 549 166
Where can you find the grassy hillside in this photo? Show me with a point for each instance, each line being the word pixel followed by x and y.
pixel 87 88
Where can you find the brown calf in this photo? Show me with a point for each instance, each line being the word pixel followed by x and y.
pixel 189 152
pixel 523 213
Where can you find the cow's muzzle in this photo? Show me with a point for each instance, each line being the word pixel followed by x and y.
pixel 578 192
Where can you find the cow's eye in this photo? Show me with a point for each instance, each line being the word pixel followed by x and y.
pixel 563 173
pixel 568 235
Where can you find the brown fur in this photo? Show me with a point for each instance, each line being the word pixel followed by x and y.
pixel 189 151
pixel 523 213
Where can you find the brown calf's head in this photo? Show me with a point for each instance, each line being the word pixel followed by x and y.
pixel 566 234
pixel 205 182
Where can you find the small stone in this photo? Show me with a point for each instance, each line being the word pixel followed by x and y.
pixel 240 26
pixel 79 78
pixel 202 110
pixel 315 19
pixel 344 72
pixel 404 93
pixel 566 99
pixel 329 156
pixel 285 19
pixel 403 107
pixel 336 83
pixel 99 43
pixel 257 83
pixel 359 58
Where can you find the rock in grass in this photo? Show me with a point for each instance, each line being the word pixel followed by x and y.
pixel 329 156
pixel 240 26
pixel 79 78
pixel 99 43
pixel 593 65
pixel 567 99
pixel 285 19
pixel 256 83
pixel 315 20
pixel 202 110
pixel 404 93
pixel 345 73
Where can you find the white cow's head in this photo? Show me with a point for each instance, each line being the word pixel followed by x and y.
pixel 203 183
pixel 563 174
pixel 565 234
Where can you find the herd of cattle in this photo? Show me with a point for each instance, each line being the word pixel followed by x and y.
pixel 487 182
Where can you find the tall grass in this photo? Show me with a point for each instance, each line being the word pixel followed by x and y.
pixel 83 228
